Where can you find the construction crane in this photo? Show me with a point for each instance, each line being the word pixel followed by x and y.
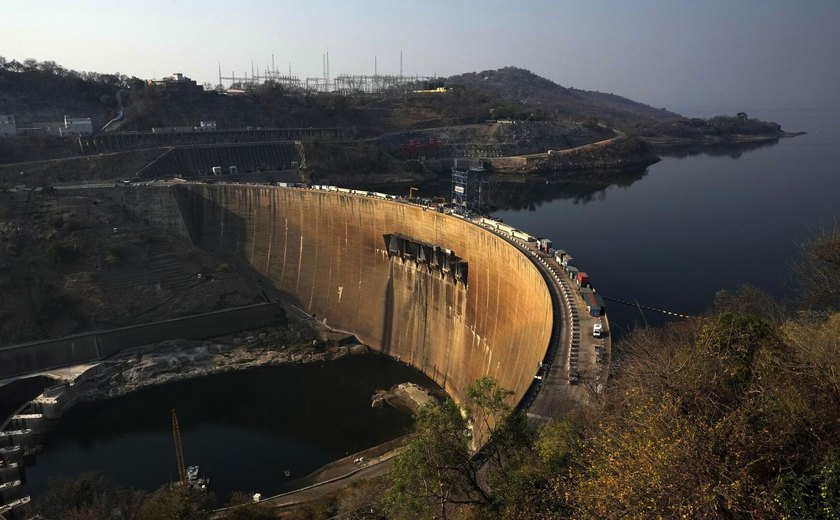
pixel 179 452
pixel 411 192
pixel 189 477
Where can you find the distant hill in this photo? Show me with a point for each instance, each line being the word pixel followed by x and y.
pixel 44 91
pixel 527 94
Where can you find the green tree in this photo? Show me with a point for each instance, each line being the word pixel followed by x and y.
pixel 811 495
pixel 63 252
pixel 537 482
pixel 438 469
pixel 89 496
pixel 176 504
pixel 818 274
pixel 113 256
pixel 247 509
pixel 492 414
pixel 435 469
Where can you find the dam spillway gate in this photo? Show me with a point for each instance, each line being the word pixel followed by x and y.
pixel 437 258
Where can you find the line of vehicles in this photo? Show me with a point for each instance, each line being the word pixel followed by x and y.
pixel 594 302
pixel 366 193
pixel 579 280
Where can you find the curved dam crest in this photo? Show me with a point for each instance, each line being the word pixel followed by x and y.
pixel 326 252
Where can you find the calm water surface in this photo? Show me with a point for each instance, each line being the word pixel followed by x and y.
pixel 694 224
pixel 245 428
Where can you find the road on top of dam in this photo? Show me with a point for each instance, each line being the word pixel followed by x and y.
pixel 553 394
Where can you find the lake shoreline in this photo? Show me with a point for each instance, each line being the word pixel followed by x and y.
pixel 667 141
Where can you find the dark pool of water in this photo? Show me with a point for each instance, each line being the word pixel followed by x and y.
pixel 245 429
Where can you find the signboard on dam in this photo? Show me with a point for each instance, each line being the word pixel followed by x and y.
pixel 325 252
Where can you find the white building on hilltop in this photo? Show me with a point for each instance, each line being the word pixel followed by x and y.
pixel 8 128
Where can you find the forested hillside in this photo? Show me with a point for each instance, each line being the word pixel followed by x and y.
pixel 36 91
pixel 42 91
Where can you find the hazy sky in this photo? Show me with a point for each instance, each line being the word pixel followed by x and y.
pixel 666 53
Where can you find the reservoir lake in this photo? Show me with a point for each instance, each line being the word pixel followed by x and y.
pixel 700 220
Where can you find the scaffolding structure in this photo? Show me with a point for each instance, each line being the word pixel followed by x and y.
pixel 352 84
pixel 469 186
pixel 272 74
pixel 343 84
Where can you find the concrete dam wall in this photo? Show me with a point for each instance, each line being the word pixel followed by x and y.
pixel 329 253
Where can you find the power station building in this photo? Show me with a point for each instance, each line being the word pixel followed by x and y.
pixel 469 186
pixel 8 128
pixel 76 126
pixel 70 127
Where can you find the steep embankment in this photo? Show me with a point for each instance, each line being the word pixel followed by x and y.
pixel 520 94
pixel 87 168
pixel 327 252
pixel 76 260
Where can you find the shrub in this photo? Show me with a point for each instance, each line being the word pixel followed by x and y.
pixel 63 252
pixel 57 222
pixel 112 257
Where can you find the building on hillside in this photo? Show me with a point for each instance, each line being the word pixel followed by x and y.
pixel 30 130
pixel 8 128
pixel 172 129
pixel 175 82
pixel 438 90
pixel 77 126
pixel 48 127
pixel 70 127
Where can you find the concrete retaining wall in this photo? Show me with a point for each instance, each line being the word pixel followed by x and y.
pixel 154 205
pixel 200 160
pixel 84 348
pixel 44 355
pixel 327 252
